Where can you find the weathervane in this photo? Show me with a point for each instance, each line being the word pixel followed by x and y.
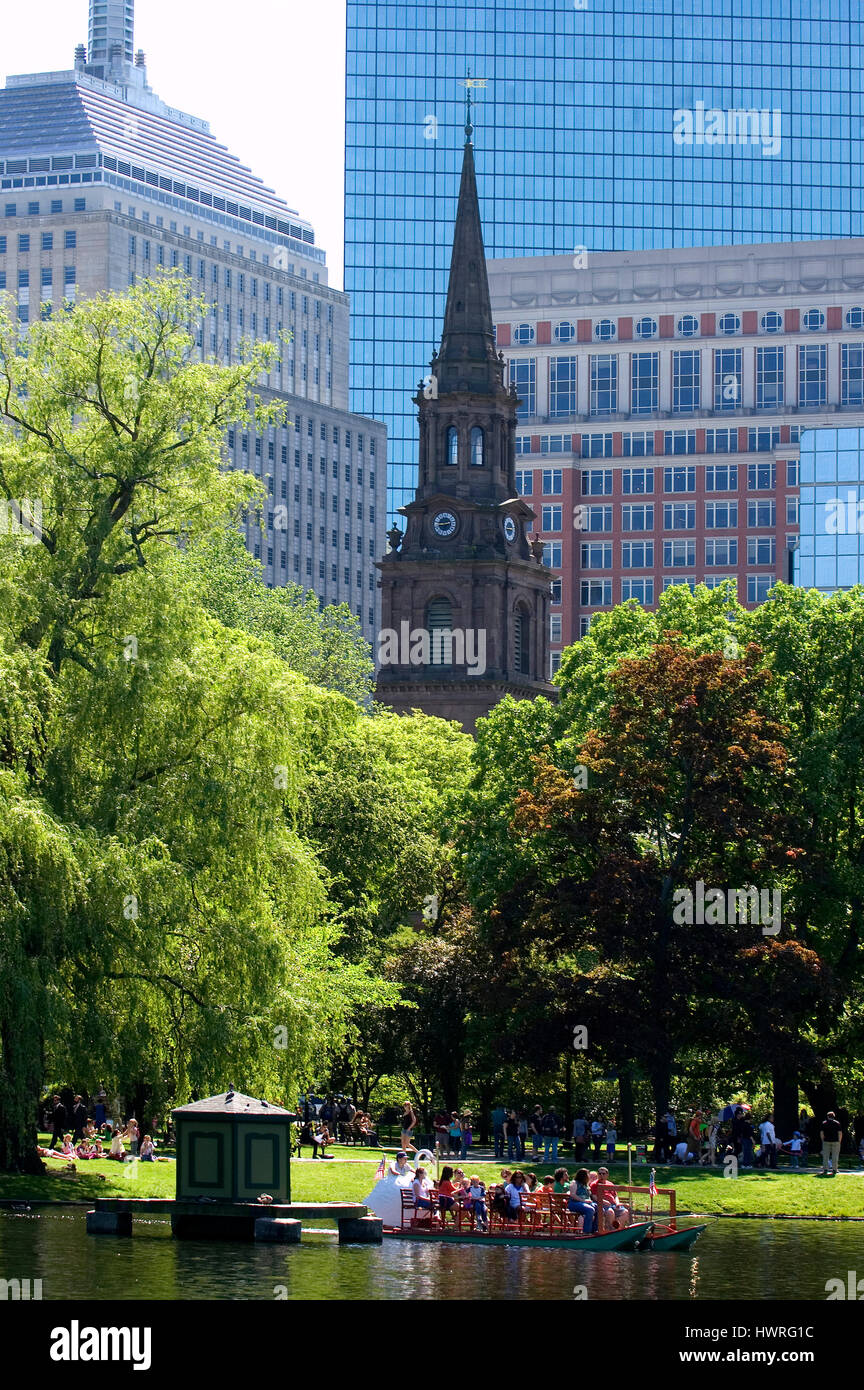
pixel 468 84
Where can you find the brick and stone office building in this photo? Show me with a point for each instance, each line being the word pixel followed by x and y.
pixel 663 398
pixel 101 183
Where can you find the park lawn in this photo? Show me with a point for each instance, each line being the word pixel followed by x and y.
pixel 344 1179
pixel 93 1178
pixel 770 1193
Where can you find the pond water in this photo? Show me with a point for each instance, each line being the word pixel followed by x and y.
pixel 751 1260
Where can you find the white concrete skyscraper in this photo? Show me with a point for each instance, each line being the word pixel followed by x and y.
pixel 101 183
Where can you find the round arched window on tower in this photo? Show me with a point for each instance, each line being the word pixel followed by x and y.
pixel 452 446
pixel 477 459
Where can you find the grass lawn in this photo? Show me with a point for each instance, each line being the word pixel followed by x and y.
pixel 783 1192
pixel 770 1193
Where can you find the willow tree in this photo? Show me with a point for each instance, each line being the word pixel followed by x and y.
pixel 160 914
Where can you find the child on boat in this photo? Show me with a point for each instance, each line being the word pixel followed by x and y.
pixel 477 1193
pixel 421 1187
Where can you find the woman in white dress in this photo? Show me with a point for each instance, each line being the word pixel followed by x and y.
pixel 385 1199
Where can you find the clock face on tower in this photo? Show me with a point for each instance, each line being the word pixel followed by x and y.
pixel 509 529
pixel 444 524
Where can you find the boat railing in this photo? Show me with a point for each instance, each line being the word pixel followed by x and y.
pixel 656 1206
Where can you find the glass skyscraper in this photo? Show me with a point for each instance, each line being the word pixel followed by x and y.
pixel 830 552
pixel 621 124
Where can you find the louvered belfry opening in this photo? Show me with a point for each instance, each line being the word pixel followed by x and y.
pixel 439 623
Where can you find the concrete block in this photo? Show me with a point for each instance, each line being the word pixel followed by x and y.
pixel 279 1230
pixel 361 1230
pixel 109 1223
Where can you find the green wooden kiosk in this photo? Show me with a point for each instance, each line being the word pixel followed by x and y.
pixel 233 1148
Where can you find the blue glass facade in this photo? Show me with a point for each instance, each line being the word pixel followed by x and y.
pixel 580 141
pixel 830 551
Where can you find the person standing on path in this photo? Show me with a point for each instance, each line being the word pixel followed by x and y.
pixel 551 1126
pixel 79 1118
pixel 499 1116
pixel 512 1127
pixel 58 1121
pixel 768 1140
pixel 580 1137
pixel 832 1137
pixel 536 1124
pixel 408 1122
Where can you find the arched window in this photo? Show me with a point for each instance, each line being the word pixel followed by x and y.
pixel 476 447
pixel 521 641
pixel 453 446
pixel 439 625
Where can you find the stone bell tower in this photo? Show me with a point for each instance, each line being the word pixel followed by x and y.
pixel 465 596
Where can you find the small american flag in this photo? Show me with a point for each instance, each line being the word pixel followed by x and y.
pixel 381 1170
pixel 652 1186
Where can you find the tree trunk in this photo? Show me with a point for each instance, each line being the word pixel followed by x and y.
pixel 821 1092
pixel 627 1119
pixel 661 1081
pixel 784 1080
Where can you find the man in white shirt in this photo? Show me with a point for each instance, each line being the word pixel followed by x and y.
pixel 768 1139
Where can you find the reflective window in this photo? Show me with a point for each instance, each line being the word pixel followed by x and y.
pixel 604 385
pixel 644 383
pixel 646 328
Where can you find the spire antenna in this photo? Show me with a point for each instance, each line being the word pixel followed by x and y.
pixel 469 129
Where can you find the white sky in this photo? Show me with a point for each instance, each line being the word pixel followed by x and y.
pixel 269 76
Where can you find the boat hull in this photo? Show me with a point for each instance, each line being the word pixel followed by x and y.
pixel 662 1240
pixel 626 1239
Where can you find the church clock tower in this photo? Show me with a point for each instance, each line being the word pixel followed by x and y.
pixel 465 596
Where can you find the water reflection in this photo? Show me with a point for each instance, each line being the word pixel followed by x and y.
pixel 734 1260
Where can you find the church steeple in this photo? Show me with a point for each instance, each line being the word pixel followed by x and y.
pixel 467 351
pixel 465 601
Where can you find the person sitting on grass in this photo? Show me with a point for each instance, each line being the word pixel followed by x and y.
pixel 67 1149
pixel 85 1149
pixel 147 1154
pixel 117 1149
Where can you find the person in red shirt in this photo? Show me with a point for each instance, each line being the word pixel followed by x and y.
pixel 614 1213
pixel 446 1191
